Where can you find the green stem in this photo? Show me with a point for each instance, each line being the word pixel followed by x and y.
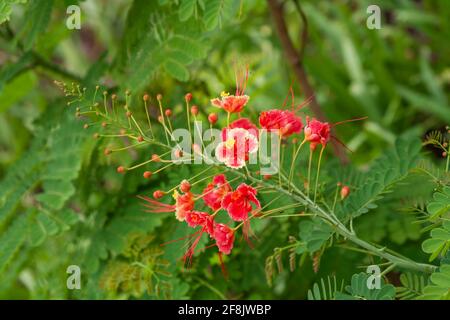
pixel 318 172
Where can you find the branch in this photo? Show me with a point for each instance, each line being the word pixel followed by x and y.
pixel 295 59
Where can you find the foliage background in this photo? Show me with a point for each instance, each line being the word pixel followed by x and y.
pixel 62 203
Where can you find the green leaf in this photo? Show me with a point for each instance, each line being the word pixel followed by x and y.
pixel 326 290
pixel 391 168
pixel 176 69
pixel 439 243
pixel 12 239
pixel 186 9
pixel 359 290
pixel 314 233
pixel 412 286
pixel 37 18
pixel 439 289
pixel 440 204
pixel 213 13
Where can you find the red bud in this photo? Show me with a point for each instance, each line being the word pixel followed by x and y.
pixel 168 112
pixel 212 118
pixel 345 191
pixel 185 186
pixel 194 110
pixel 188 97
pixel 158 194
pixel 120 169
pixel 147 174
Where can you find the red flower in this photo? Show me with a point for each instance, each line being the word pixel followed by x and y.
pixel 243 123
pixel 283 120
pixel 235 147
pixel 239 203
pixel 215 191
pixel 317 132
pixel 224 236
pixel 203 219
pixel 183 204
pixel 231 103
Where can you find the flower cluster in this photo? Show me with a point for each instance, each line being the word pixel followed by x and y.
pixel 217 195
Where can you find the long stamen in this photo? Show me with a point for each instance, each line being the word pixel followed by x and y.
pixel 349 120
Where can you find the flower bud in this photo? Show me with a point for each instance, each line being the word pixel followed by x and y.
pixel 158 194
pixel 444 154
pixel 147 174
pixel 188 97
pixel 156 158
pixel 129 114
pixel 159 97
pixel 212 118
pixel 120 169
pixel 168 112
pixel 86 126
pixel 185 186
pixel 104 124
pixel 107 152
pixel 146 97
pixel 140 139
pixel 114 96
pixel 194 110
pixel 345 191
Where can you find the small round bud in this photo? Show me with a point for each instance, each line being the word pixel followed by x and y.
pixel 120 169
pixel 212 118
pixel 185 186
pixel 444 154
pixel 128 114
pixel 147 174
pixel 123 131
pixel 158 194
pixel 159 97
pixel 266 176
pixel 104 124
pixel 194 110
pixel 140 139
pixel 107 152
pixel 168 112
pixel 188 97
pixel 156 158
pixel 160 119
pixel 86 126
pixel 145 97
pixel 127 92
pixel 97 87
pixel 105 93
pixel 345 191
pixel 96 135
pixel 96 104
pixel 114 96
pixel 445 144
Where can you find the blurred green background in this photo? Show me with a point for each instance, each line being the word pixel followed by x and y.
pixel 398 76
